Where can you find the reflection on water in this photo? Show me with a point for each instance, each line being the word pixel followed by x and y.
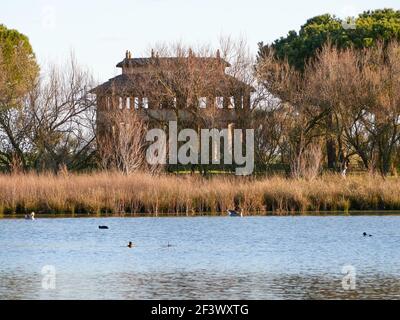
pixel 211 258
pixel 197 286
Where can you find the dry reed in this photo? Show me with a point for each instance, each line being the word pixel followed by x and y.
pixel 138 194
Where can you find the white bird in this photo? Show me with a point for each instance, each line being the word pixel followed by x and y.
pixel 30 216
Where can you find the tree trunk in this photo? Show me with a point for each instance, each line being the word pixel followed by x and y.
pixel 331 153
pixel 330 144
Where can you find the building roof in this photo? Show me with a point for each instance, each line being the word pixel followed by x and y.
pixel 139 83
pixel 140 62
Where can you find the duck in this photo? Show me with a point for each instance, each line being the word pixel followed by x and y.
pixel 235 213
pixel 103 227
pixel 30 216
pixel 130 245
pixel 367 235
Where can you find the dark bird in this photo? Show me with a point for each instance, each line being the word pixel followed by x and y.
pixel 103 227
pixel 130 244
pixel 235 213
pixel 367 235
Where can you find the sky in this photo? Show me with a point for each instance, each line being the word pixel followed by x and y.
pixel 99 32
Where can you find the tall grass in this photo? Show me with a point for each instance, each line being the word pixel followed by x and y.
pixel 114 193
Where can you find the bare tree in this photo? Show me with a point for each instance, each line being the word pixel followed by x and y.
pixel 308 163
pixel 303 120
pixel 123 147
pixel 182 81
pixel 62 115
pixel 53 123
pixel 362 90
pixel 270 125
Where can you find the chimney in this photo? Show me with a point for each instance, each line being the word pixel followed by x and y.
pixel 127 54
pixel 152 53
pixel 218 54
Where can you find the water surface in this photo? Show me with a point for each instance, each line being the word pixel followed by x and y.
pixel 208 258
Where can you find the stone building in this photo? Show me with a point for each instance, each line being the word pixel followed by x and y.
pixel 186 88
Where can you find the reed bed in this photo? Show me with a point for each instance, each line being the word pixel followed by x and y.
pixel 144 194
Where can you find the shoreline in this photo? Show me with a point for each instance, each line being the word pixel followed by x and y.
pixel 173 215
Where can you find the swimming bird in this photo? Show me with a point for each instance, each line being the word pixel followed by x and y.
pixel 103 227
pixel 235 213
pixel 367 235
pixel 130 244
pixel 30 216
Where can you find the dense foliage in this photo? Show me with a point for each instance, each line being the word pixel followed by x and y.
pixel 370 27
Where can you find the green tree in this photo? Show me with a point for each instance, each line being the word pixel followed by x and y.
pixel 370 27
pixel 18 67
pixel 18 76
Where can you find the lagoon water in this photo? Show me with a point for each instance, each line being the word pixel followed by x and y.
pixel 209 258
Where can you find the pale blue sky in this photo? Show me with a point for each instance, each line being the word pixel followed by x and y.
pixel 100 31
